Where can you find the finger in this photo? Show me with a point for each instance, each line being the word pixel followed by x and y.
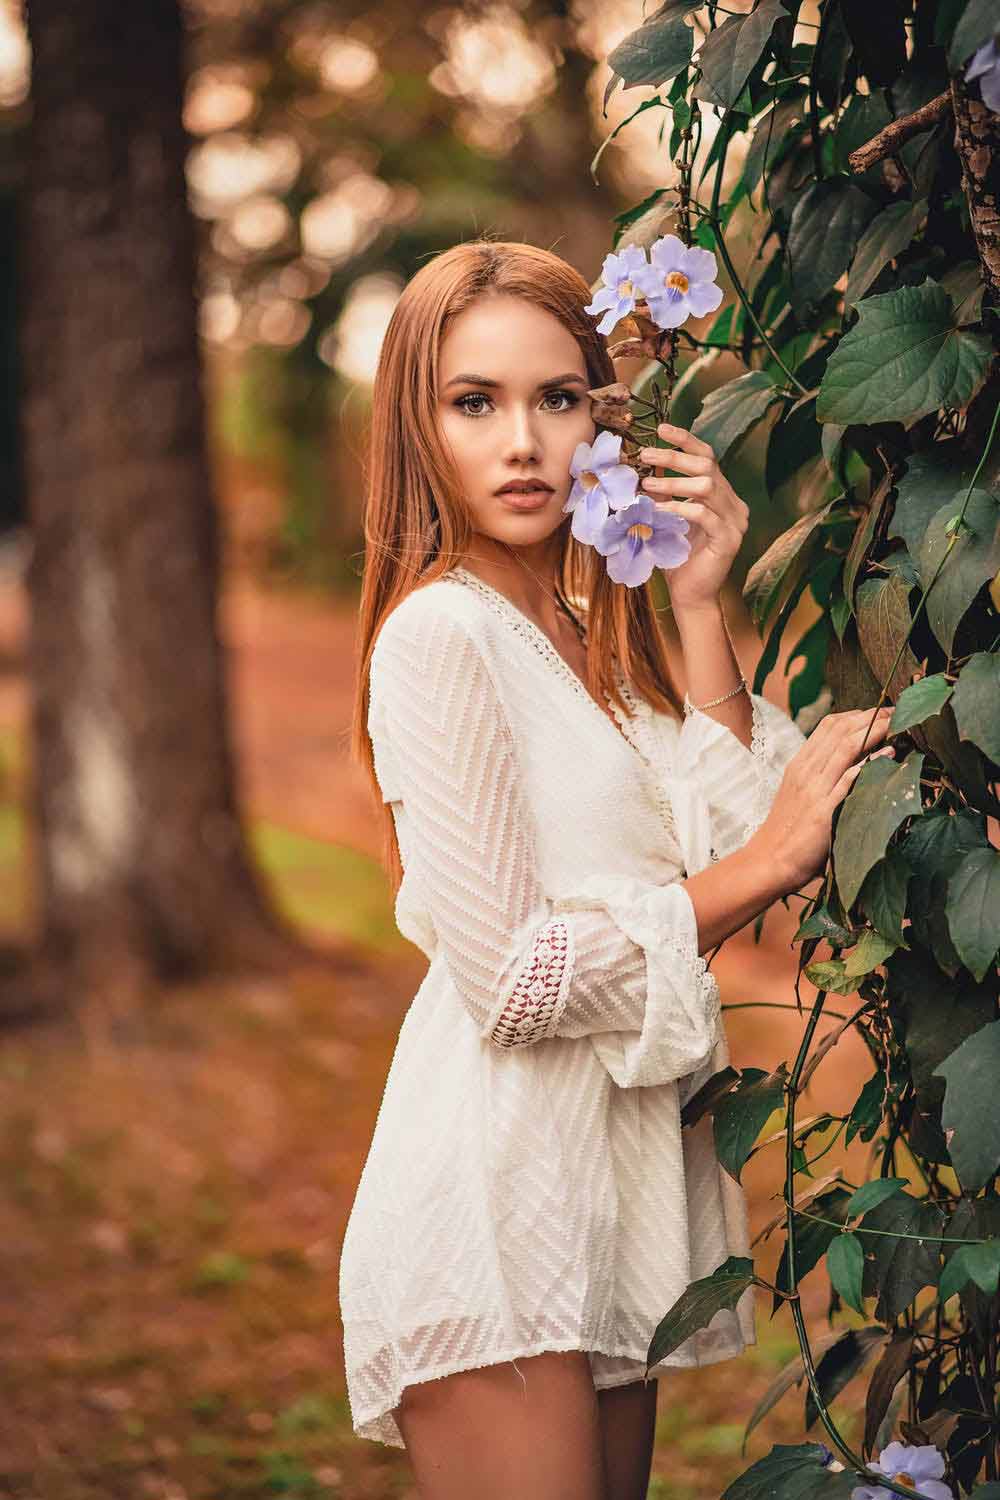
pixel 677 484
pixel 844 783
pixel 692 510
pixel 684 439
pixel 676 458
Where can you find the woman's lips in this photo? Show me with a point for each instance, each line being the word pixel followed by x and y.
pixel 525 499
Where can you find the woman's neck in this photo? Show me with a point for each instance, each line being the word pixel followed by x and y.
pixel 527 576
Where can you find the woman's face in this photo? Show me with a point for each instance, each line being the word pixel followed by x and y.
pixel 513 405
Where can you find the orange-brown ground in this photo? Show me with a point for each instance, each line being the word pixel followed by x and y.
pixel 172 1214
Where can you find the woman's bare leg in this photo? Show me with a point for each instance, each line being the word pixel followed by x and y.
pixel 628 1425
pixel 489 1433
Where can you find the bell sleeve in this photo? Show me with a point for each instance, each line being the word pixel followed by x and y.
pixel 735 782
pixel 615 961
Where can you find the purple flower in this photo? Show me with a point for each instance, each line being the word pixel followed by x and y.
pixel 916 1468
pixel 984 64
pixel 679 282
pixel 601 482
pixel 639 536
pixel 617 296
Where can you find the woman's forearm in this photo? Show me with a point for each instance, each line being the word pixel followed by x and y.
pixel 711 667
pixel 734 890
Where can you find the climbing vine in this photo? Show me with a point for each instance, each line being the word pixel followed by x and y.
pixel 844 167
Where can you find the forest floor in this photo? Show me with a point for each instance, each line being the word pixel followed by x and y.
pixel 173 1211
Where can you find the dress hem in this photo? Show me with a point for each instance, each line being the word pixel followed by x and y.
pixel 380 1426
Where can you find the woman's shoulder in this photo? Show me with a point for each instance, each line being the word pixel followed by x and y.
pixel 439 608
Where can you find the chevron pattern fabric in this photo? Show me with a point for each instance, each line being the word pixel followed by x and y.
pixel 528 1186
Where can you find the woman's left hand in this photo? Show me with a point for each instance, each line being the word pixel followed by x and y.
pixel 719 517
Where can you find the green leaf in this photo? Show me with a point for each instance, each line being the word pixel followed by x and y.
pixel 882 609
pixel 866 1115
pixel 697 1305
pixel 849 1354
pixel 879 37
pixel 876 1191
pixel 739 1117
pixel 885 237
pixel 830 974
pixel 770 579
pixel 840 610
pixel 899 1265
pixel 655 52
pixel 729 53
pixel 844 1263
pixel 965 286
pixel 712 1090
pixel 872 950
pixel 971 1109
pixel 826 224
pixel 728 412
pixel 977 702
pixel 903 358
pixel 974 909
pixel 969 562
pixel 978 1263
pixel 882 897
pixel 975 26
pixel 822 925
pixel 883 795
pixel 920 701
pixel 812 1239
pixel 931 477
pixel 932 1016
pixel 792 1472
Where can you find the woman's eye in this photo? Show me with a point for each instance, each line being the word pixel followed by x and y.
pixel 568 396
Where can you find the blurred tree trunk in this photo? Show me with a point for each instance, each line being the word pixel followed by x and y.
pixel 139 856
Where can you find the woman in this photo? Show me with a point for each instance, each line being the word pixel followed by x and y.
pixel 571 836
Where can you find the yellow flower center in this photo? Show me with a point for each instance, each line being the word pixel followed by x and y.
pixel 906 1480
pixel 625 288
pixel 676 281
pixel 588 479
pixel 641 530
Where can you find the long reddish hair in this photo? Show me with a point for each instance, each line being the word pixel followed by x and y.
pixel 416 522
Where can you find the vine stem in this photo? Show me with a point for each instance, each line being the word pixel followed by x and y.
pixel 792 1088
pixel 716 224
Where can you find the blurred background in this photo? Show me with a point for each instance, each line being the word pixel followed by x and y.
pixel 207 212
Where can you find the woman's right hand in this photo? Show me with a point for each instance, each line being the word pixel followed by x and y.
pixel 796 834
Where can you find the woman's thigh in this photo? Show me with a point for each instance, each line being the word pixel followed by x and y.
pixel 495 1434
pixel 628 1428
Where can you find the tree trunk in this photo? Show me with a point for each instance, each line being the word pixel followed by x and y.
pixel 977 141
pixel 139 861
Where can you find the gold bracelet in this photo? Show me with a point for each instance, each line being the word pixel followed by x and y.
pixel 690 707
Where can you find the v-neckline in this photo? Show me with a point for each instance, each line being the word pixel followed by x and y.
pixel 523 623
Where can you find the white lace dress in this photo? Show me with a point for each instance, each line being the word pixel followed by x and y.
pixel 528 1186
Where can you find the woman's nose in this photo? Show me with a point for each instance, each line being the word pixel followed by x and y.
pixel 522 439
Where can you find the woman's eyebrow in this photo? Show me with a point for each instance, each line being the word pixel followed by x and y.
pixel 485 380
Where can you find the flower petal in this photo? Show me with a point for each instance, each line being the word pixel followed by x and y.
pixel 619 485
pixel 933 1489
pixel 631 564
pixel 668 312
pixel 605 450
pixel 698 264
pixel 669 551
pixel 582 459
pixel 704 297
pixel 667 252
pixel 605 298
pixel 577 493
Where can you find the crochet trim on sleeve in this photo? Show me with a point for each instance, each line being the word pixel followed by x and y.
pixel 532 1011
